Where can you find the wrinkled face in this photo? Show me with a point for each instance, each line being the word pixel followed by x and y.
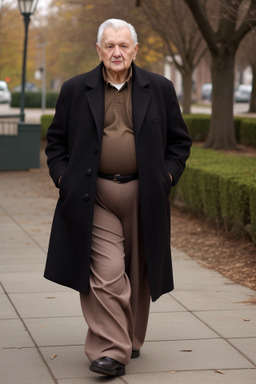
pixel 117 50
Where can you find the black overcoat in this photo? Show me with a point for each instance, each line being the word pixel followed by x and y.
pixel 73 150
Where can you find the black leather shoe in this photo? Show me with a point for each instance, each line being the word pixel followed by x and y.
pixel 107 366
pixel 135 353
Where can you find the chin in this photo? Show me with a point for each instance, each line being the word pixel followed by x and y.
pixel 118 69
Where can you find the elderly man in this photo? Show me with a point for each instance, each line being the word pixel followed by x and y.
pixel 116 145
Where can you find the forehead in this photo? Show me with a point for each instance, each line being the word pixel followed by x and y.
pixel 116 35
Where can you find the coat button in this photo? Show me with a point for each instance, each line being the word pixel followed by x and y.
pixel 89 172
pixel 86 197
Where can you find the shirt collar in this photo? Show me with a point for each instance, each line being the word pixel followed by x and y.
pixel 108 83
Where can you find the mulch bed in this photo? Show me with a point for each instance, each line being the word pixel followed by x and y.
pixel 232 255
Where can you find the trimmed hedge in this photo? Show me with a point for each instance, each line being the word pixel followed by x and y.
pixel 216 185
pixel 45 122
pixel 221 187
pixel 198 125
pixel 248 131
pixel 34 99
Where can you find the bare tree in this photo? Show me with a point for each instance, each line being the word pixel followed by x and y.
pixel 174 23
pixel 223 24
pixel 234 19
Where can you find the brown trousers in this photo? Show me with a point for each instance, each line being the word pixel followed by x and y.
pixel 117 306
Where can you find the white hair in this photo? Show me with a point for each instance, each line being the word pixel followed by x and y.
pixel 116 24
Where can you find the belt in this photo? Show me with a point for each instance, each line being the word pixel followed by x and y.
pixel 117 178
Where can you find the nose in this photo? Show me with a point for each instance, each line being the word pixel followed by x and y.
pixel 117 51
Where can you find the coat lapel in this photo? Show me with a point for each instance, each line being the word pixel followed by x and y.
pixel 141 96
pixel 95 97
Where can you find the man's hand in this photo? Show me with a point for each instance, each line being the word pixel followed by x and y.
pixel 171 177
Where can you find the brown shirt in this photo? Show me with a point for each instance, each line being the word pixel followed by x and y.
pixel 118 153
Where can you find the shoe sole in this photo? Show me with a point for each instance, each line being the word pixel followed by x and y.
pixel 116 372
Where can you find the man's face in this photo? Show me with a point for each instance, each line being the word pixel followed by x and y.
pixel 117 49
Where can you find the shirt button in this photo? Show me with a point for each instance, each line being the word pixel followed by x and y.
pixel 89 172
pixel 86 197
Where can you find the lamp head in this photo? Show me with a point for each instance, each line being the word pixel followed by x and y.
pixel 27 7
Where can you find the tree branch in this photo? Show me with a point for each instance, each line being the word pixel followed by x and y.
pixel 199 13
pixel 179 66
pixel 228 17
pixel 248 23
pixel 200 57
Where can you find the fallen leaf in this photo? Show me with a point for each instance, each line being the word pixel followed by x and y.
pixel 172 372
pixel 186 350
pixel 53 357
pixel 218 371
pixel 252 301
pixel 246 320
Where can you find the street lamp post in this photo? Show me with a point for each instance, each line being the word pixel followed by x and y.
pixel 27 8
pixel 41 65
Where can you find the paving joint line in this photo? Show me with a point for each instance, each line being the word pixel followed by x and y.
pixel 216 332
pixel 30 335
pixel 22 228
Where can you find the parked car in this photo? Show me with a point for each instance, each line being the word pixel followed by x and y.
pixel 243 93
pixel 5 94
pixel 206 91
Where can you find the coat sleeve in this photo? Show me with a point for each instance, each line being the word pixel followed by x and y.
pixel 178 139
pixel 57 150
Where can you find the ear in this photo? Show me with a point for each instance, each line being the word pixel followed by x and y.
pixel 136 48
pixel 98 51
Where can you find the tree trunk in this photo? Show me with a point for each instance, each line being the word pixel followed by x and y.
pixel 252 107
pixel 187 90
pixel 222 132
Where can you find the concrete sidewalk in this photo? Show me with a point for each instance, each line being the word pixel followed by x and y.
pixel 203 332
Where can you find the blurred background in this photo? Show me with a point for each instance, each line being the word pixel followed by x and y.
pixel 62 36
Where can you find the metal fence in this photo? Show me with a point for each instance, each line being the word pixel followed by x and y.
pixel 9 124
